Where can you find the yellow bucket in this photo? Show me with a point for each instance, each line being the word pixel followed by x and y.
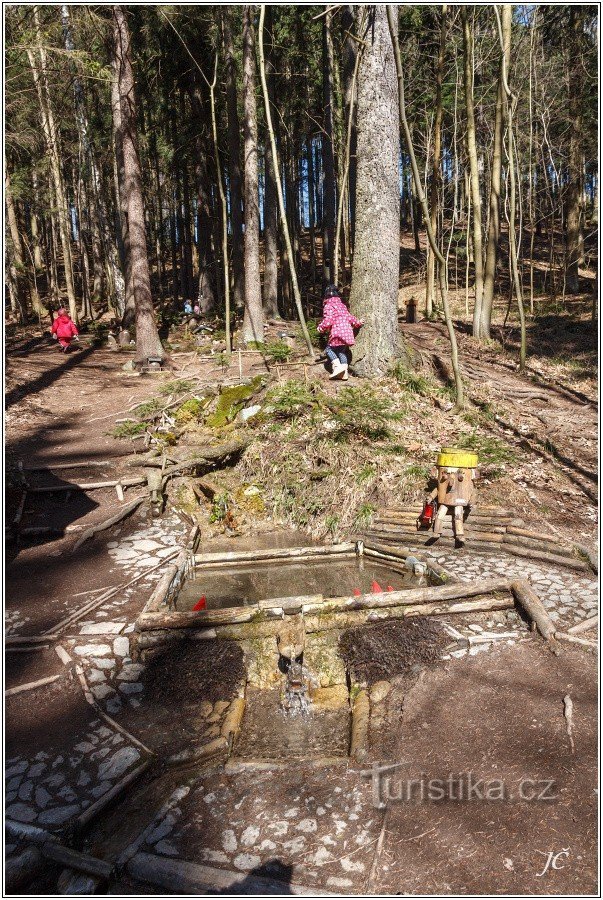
pixel 457 459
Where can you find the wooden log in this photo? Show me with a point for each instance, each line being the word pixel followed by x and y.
pixel 544 546
pixel 289 602
pixel 359 741
pixel 20 831
pixel 20 870
pixel 176 876
pixel 470 524
pixel 31 685
pixel 388 553
pixel 98 601
pixel 107 523
pixel 90 464
pixel 30 648
pixel 232 720
pixel 218 747
pixel 532 605
pixel 20 639
pixel 241 614
pixel 340 621
pixel 87 486
pixel 235 556
pixel 20 509
pixel 572 639
pixel 536 535
pixel 92 811
pixel 80 862
pixel 70 882
pixel 584 625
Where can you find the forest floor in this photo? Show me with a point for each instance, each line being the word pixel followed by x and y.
pixel 308 468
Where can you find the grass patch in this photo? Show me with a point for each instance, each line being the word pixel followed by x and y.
pixel 489 449
pixel 293 399
pixel 177 387
pixel 278 352
pixel 128 429
pixel 358 412
pixel 413 382
pixel 364 515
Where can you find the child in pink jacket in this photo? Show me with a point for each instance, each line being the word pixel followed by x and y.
pixel 341 324
pixel 64 329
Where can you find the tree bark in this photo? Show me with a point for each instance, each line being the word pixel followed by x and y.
pixel 436 175
pixel 494 221
pixel 328 158
pixel 270 299
pixel 17 261
pixel 350 52
pixel 573 202
pixel 128 312
pixel 376 265
pixel 206 293
pixel 253 319
pixel 147 338
pixel 51 136
pixel 234 162
pixel 476 200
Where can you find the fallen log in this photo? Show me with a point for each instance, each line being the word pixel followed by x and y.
pixel 20 870
pixel 572 639
pixel 88 486
pixel 232 720
pixel 387 553
pixel 31 685
pixel 98 601
pixel 361 711
pixel 584 625
pixel 532 605
pixel 72 465
pixel 92 811
pixel 81 862
pixel 176 876
pixel 112 520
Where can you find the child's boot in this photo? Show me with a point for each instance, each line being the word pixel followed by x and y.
pixel 345 375
pixel 337 370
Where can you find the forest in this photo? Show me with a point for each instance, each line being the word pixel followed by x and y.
pixel 240 158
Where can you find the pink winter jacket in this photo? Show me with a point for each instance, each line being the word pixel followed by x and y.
pixel 64 327
pixel 339 321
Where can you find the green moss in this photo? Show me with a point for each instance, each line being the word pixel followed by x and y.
pixel 231 401
pixel 190 411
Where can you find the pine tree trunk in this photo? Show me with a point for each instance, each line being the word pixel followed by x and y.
pixel 129 311
pixel 206 293
pixel 147 338
pixel 17 264
pixel 328 159
pixel 234 162
pixel 376 266
pixel 253 319
pixel 494 219
pixel 436 175
pixel 270 299
pixel 350 52
pixel 573 202
pixel 476 200
pixel 51 136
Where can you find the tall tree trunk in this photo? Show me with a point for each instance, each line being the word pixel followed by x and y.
pixel 436 174
pixel 51 136
pixel 573 202
pixel 206 293
pixel 270 299
pixel 376 266
pixel 350 52
pixel 495 187
pixel 234 161
pixel 328 158
pixel 147 338
pixel 128 315
pixel 311 206
pixel 17 263
pixel 281 202
pixel 253 319
pixel 476 199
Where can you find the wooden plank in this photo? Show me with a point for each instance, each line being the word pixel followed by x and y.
pixel 30 685
pixel 81 862
pixel 207 559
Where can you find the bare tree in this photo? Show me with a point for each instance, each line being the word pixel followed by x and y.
pixel 147 337
pixel 376 264
pixel 253 319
